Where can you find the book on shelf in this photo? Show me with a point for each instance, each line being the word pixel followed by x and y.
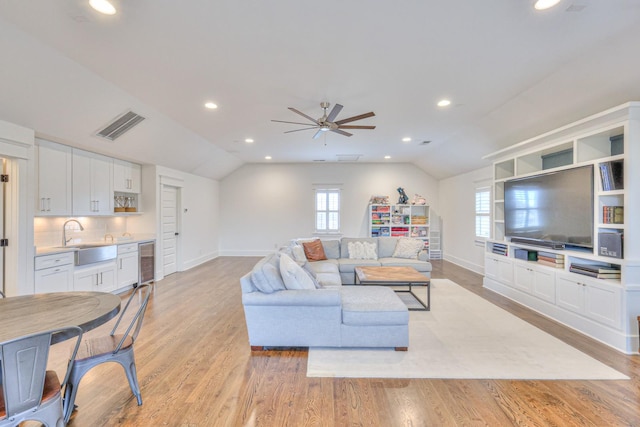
pixel 594 274
pixel 611 175
pixel 542 261
pixel 595 268
pixel 550 260
pixel 500 249
pixel 613 214
pixel 550 255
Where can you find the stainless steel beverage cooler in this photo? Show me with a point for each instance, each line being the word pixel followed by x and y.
pixel 147 262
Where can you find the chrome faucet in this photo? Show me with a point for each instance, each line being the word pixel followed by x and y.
pixel 109 235
pixel 64 230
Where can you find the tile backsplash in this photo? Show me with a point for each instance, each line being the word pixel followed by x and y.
pixel 48 231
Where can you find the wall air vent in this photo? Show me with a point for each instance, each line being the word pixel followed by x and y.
pixel 348 157
pixel 120 125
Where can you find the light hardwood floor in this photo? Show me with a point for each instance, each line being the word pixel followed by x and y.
pixel 196 369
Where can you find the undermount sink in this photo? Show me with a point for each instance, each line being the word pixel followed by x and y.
pixel 91 253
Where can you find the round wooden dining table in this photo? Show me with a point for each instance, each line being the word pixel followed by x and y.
pixel 30 314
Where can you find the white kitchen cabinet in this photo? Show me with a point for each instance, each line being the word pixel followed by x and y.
pixel 126 176
pixel 127 265
pixel 53 273
pixel 92 179
pixel 54 179
pixel 98 277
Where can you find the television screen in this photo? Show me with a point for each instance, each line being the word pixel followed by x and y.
pixel 553 208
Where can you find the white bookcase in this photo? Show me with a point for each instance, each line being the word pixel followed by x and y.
pixel 605 309
pixel 400 221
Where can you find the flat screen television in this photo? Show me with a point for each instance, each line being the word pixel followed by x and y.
pixel 552 209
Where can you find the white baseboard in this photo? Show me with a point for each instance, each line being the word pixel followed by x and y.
pixel 465 264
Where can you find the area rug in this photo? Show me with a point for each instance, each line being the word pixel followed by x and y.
pixel 464 337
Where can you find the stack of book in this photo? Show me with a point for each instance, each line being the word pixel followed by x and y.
pixel 599 271
pixel 613 214
pixel 500 249
pixel 550 259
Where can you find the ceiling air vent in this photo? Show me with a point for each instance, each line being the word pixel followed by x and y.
pixel 348 157
pixel 120 125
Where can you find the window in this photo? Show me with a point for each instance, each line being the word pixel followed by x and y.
pixel 327 211
pixel 483 212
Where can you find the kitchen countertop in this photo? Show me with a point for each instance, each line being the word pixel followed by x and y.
pixel 50 250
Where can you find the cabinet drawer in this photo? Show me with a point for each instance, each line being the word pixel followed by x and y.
pixel 48 261
pixel 127 248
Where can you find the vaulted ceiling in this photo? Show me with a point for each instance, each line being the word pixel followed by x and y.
pixel 511 73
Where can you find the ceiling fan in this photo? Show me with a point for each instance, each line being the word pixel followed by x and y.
pixel 326 123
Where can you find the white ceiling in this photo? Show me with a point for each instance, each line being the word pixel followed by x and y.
pixel 511 73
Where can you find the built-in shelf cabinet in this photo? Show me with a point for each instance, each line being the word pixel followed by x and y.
pixel 605 309
pixel 400 221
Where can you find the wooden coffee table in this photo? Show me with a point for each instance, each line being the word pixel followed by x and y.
pixel 395 276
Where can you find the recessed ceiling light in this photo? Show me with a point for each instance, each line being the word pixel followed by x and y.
pixel 387 157
pixel 267 157
pixel 103 6
pixel 406 139
pixel 545 4
pixel 249 141
pixel 444 103
pixel 211 105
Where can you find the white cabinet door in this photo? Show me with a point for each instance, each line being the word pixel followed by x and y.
pixel 101 278
pixel 92 193
pixel 126 177
pixel 570 294
pixel 544 284
pixel 499 268
pixel 54 179
pixel 127 269
pixel 55 279
pixel 523 277
pixel 603 303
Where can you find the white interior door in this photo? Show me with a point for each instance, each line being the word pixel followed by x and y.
pixel 169 229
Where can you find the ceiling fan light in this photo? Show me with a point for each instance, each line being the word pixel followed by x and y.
pixel 545 4
pixel 103 6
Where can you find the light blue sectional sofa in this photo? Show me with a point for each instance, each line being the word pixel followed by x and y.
pixel 325 313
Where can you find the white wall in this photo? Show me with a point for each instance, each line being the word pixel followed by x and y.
pixel 265 205
pixel 457 208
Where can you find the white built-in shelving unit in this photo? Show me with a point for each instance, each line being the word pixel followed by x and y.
pixel 399 221
pixel 605 309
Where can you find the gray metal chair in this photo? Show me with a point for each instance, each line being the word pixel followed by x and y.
pixel 111 348
pixel 29 392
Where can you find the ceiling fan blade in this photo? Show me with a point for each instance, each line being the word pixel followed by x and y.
pixel 341 132
pixel 317 135
pixel 356 127
pixel 303 115
pixel 298 130
pixel 293 123
pixel 354 118
pixel 334 112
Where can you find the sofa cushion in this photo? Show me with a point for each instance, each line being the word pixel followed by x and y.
pixel 344 244
pixel 331 248
pixel 314 251
pixel 372 305
pixel 293 275
pixel 362 250
pixel 297 253
pixel 347 265
pixel 266 276
pixel 386 246
pixel 408 248
pixel 421 266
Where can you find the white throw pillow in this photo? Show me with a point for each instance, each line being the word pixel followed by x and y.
pixel 370 250
pixel 297 252
pixel 293 275
pixel 407 248
pixel 362 250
